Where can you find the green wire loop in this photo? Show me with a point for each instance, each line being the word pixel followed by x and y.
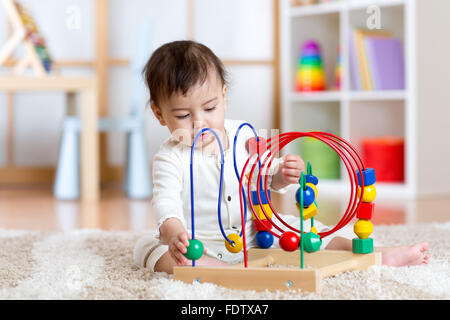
pixel 302 184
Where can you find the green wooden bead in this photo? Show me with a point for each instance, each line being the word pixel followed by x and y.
pixel 312 242
pixel 362 245
pixel 194 250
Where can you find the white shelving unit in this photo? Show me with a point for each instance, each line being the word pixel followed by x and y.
pixel 413 113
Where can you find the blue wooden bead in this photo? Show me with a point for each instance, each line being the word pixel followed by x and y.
pixel 264 239
pixel 368 176
pixel 308 196
pixel 263 196
pixel 312 179
pixel 297 195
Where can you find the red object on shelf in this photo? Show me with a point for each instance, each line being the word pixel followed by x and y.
pixel 387 156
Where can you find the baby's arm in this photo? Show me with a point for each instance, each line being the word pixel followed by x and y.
pixel 167 204
pixel 173 233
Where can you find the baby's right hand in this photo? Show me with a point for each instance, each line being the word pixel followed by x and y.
pixel 178 247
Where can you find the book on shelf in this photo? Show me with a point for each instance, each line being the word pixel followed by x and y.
pixel 386 63
pixel 376 60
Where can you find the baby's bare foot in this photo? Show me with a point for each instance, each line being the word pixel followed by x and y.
pixel 406 255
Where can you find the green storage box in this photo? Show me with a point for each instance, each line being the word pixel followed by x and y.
pixel 325 162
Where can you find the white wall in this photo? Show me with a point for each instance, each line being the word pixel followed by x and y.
pixel 433 96
pixel 236 29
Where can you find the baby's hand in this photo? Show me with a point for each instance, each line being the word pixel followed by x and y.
pixel 291 168
pixel 288 172
pixel 178 247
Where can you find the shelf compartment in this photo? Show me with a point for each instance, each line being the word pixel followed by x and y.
pixel 376 119
pixel 315 28
pixel 392 21
pixel 382 126
pixel 316 116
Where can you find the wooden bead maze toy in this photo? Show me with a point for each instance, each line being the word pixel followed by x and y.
pixel 282 269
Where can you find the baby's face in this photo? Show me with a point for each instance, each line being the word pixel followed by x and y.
pixel 202 107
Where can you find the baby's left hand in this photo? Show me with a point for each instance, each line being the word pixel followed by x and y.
pixel 289 171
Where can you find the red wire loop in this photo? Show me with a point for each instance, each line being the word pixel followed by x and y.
pixel 347 154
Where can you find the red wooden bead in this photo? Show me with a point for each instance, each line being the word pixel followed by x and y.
pixel 289 241
pixel 252 146
pixel 264 225
pixel 365 210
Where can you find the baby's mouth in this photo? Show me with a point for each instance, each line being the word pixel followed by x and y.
pixel 203 136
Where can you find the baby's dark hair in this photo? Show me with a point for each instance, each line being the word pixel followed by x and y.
pixel 177 66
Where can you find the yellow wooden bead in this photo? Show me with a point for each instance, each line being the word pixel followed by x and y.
pixel 314 230
pixel 236 246
pixel 369 193
pixel 261 213
pixel 309 212
pixel 363 228
pixel 313 186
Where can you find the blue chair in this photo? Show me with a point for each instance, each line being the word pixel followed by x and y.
pixel 137 173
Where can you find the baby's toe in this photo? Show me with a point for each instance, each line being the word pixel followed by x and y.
pixel 424 246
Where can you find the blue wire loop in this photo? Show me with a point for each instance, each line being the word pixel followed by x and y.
pixel 219 210
pixel 192 178
pixel 235 165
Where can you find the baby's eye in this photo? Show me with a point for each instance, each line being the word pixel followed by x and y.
pixel 182 117
pixel 211 109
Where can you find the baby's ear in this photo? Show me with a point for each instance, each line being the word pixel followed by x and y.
pixel 224 95
pixel 158 114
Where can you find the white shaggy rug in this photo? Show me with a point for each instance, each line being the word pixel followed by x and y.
pixel 95 264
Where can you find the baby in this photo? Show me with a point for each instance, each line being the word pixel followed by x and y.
pixel 188 90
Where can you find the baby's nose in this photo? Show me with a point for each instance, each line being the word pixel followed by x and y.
pixel 199 125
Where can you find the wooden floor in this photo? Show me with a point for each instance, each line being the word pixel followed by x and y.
pixel 35 208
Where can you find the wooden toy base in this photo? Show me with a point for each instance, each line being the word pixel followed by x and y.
pixel 259 276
